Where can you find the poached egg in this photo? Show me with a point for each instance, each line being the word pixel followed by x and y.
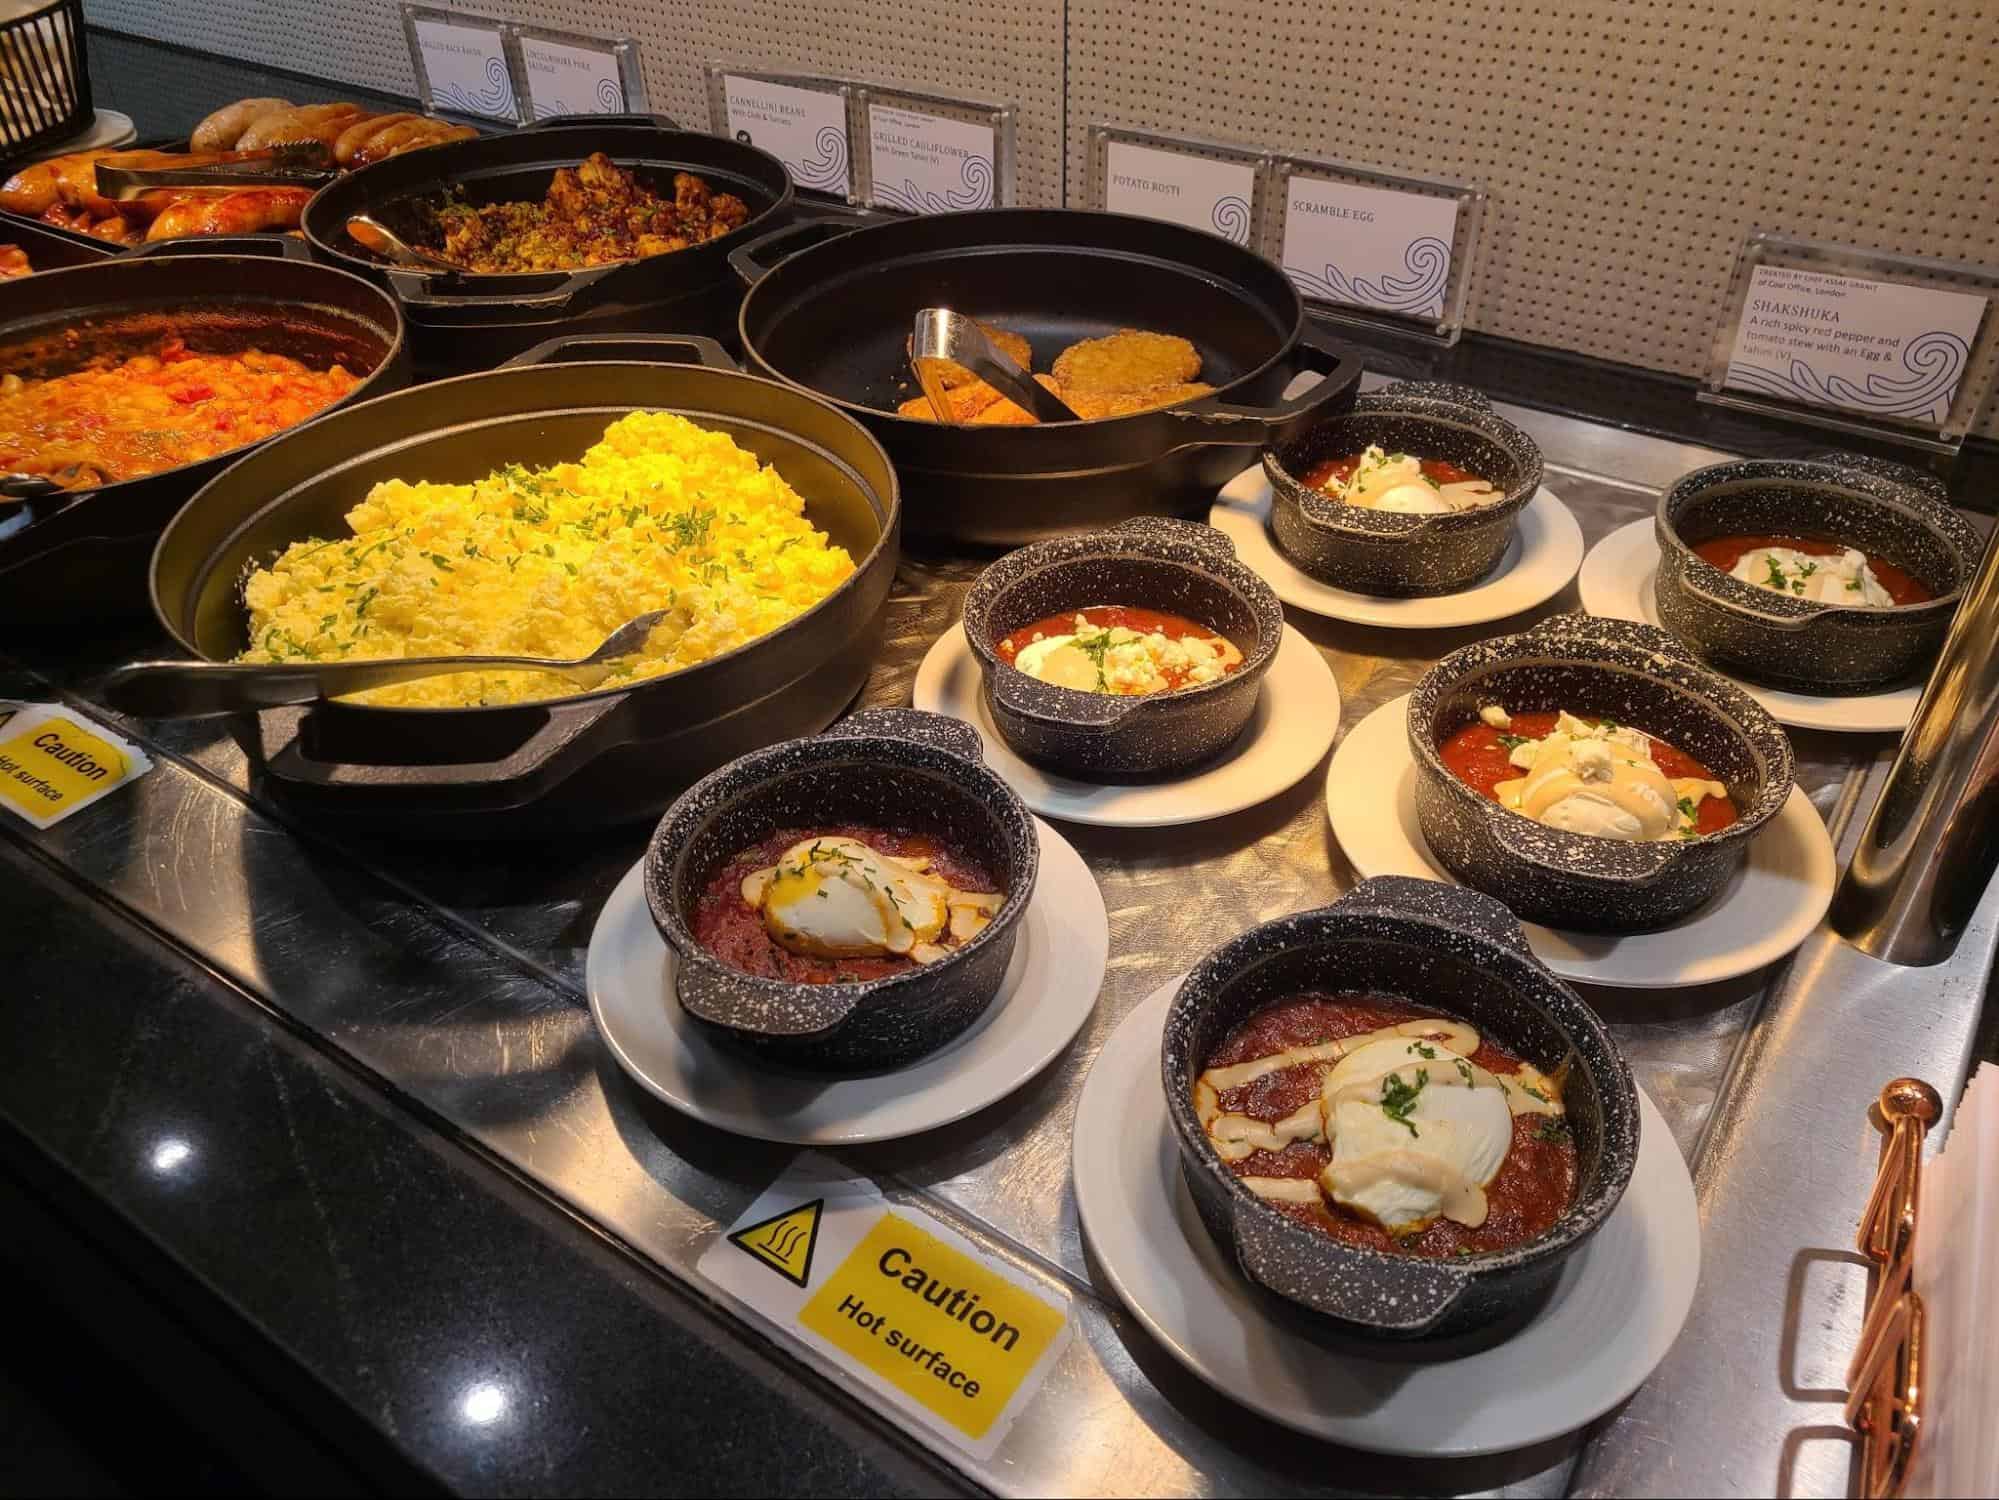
pixel 1396 482
pixel 841 898
pixel 1839 578
pixel 1602 780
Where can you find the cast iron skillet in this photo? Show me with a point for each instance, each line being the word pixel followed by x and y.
pixel 1446 951
pixel 1875 504
pixel 82 558
pixel 590 759
pixel 1383 552
pixel 1150 563
pixel 472 321
pixel 1635 675
pixel 50 248
pixel 888 768
pixel 834 319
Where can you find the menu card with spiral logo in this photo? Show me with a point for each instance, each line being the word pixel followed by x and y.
pixel 461 63
pixel 805 128
pixel 1368 246
pixel 571 75
pixel 1197 191
pixel 1878 347
pixel 925 163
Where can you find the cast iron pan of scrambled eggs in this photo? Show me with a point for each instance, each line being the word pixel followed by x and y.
pixel 834 318
pixel 81 559
pixel 588 759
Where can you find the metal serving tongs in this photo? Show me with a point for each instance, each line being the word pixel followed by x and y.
pixel 193 689
pixel 942 337
pixel 307 164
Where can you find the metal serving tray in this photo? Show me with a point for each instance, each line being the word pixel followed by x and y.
pixel 457 977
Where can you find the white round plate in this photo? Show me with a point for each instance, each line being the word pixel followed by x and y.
pixel 1616 583
pixel 1297 715
pixel 1612 1316
pixel 1765 910
pixel 1546 550
pixel 1048 993
pixel 107 130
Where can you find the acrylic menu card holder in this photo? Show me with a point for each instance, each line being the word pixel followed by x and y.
pixel 1899 347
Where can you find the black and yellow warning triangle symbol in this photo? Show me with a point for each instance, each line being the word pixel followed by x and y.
pixel 784 1242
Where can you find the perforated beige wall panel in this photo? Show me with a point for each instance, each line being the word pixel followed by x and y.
pixel 1010 54
pixel 1626 145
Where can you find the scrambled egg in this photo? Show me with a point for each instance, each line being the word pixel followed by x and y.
pixel 661 514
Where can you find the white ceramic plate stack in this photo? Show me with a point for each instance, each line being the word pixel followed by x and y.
pixel 1546 550
pixel 1048 993
pixel 1769 907
pixel 1297 715
pixel 1616 583
pixel 1616 1310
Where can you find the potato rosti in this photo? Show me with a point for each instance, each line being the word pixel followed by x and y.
pixel 1129 360
pixel 979 405
pixel 1009 343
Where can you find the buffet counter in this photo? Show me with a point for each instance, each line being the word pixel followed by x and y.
pixel 335 1103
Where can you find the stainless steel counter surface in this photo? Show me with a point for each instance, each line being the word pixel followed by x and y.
pixel 456 976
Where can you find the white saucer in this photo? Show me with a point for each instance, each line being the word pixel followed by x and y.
pixel 1546 550
pixel 1616 583
pixel 1048 993
pixel 107 130
pixel 1767 908
pixel 1612 1316
pixel 1297 715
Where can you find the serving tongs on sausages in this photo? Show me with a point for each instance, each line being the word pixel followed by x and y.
pixel 304 164
pixel 195 689
pixel 942 338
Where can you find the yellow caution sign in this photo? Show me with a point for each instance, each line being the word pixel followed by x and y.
pixel 950 1332
pixel 51 764
pixel 785 1241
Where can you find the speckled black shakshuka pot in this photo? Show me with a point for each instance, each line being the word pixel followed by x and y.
pixel 1181 567
pixel 1879 506
pixel 886 768
pixel 1449 952
pixel 1633 674
pixel 1384 552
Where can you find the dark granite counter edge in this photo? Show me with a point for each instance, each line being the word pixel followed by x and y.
pixel 348 1231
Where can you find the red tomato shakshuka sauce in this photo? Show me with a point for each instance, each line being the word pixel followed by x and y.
pixel 1726 551
pixel 1120 648
pixel 1335 472
pixel 827 902
pixel 1480 756
pixel 1325 1148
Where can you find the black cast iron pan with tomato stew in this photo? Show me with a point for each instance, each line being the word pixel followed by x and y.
pixel 469 322
pixel 81 557
pixel 585 760
pixel 1637 676
pixel 834 316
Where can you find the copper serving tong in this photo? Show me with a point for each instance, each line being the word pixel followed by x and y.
pixel 371 234
pixel 307 164
pixel 942 337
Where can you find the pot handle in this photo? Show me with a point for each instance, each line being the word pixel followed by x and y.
pixel 1434 390
pixel 1087 713
pixel 1424 1289
pixel 939 731
pixel 1691 581
pixel 753 262
pixel 1888 469
pixel 565 122
pixel 1627 864
pixel 641 348
pixel 1202 537
pixel 419 289
pixel 1213 420
pixel 723 997
pixel 272 246
pixel 1459 905
pixel 495 784
pixel 1575 626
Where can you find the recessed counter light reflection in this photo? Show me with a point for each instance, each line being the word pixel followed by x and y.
pixel 170 1156
pixel 483 1404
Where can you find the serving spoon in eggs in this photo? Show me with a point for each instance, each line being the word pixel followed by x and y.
pixel 194 689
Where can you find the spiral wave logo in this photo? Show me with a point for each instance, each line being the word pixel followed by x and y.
pixel 975 175
pixel 495 96
pixel 1231 219
pixel 1933 363
pixel 826 170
